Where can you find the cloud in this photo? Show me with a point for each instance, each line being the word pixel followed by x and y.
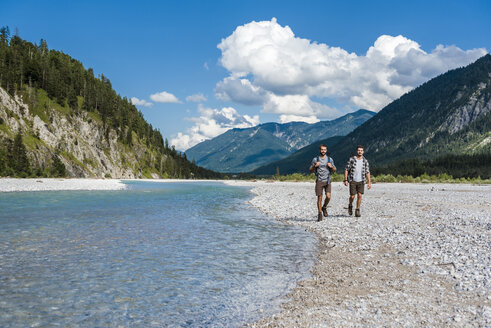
pixel 211 123
pixel 199 97
pixel 240 90
pixel 164 97
pixel 140 102
pixel 269 66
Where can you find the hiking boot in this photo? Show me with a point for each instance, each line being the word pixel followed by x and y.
pixel 324 211
pixel 319 217
pixel 350 209
pixel 357 212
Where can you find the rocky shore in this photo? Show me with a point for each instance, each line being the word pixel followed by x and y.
pixel 419 256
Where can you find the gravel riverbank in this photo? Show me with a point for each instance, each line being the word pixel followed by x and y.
pixel 44 184
pixel 420 255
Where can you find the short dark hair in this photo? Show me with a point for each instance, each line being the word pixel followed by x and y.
pixel 360 146
pixel 323 145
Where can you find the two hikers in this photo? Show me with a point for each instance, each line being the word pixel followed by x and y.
pixel 357 171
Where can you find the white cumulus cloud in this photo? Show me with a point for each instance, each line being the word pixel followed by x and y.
pixel 199 97
pixel 269 66
pixel 164 97
pixel 140 102
pixel 211 123
pixel 240 90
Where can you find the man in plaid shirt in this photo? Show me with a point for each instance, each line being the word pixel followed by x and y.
pixel 356 172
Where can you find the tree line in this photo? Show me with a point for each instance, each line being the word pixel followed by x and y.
pixel 458 166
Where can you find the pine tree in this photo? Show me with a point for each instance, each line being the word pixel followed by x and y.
pixel 3 162
pixel 19 161
pixel 58 169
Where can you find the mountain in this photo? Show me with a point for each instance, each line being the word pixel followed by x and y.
pixel 57 119
pixel 442 126
pixel 242 150
pixel 448 115
pixel 298 161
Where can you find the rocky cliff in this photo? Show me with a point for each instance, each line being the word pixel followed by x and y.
pixel 78 139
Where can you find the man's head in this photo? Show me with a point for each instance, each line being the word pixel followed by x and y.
pixel 359 150
pixel 323 149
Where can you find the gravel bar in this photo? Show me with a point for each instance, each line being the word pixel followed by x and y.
pixel 419 256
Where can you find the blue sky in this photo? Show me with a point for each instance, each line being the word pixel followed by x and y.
pixel 198 68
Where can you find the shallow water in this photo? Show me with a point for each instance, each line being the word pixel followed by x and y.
pixel 155 255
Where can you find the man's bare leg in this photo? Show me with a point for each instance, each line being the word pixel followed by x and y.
pixel 358 203
pixel 328 199
pixel 319 204
pixel 350 207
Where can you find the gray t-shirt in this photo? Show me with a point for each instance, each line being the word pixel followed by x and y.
pixel 322 171
pixel 357 176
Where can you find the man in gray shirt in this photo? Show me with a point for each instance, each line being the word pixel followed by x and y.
pixel 323 166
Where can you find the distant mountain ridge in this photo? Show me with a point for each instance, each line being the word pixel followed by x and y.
pixel 242 150
pixel 299 161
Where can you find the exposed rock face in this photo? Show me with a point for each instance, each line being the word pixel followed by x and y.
pixel 477 106
pixel 84 146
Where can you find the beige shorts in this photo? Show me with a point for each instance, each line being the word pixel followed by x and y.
pixel 320 186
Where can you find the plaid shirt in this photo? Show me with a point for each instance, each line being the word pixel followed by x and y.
pixel 350 167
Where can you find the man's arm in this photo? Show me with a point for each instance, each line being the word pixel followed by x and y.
pixel 346 171
pixel 369 183
pixel 331 165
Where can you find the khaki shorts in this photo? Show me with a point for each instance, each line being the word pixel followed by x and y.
pixel 322 185
pixel 356 187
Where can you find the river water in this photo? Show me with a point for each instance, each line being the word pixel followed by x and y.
pixel 153 255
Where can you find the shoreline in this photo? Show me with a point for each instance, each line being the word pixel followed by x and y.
pixel 418 255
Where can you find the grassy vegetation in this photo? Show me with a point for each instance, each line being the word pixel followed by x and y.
pixel 95 116
pixel 31 141
pixel 41 106
pixel 75 160
pixel 5 129
pixel 424 178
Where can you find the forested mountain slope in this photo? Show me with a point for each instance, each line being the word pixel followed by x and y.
pixel 58 119
pixel 299 161
pixel 448 115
